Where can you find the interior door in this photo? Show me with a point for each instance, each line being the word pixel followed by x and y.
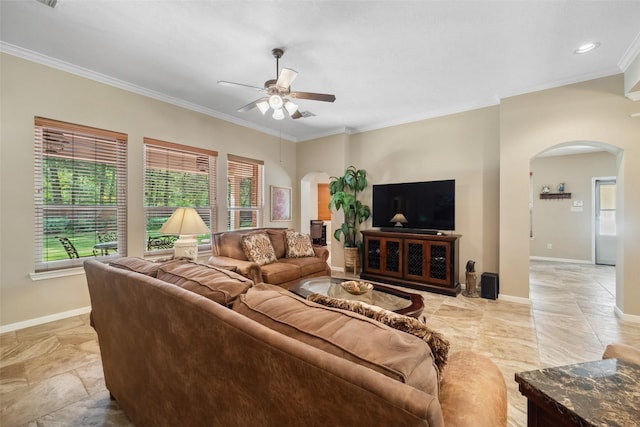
pixel 605 221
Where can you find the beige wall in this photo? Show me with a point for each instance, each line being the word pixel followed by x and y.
pixel 488 151
pixel 591 111
pixel 568 231
pixel 29 90
pixel 462 146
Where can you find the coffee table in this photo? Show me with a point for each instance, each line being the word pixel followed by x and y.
pixel 392 299
pixel 599 393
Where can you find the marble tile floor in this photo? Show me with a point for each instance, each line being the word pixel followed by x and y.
pixel 51 375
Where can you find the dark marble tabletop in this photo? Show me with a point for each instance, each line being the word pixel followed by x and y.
pixel 601 393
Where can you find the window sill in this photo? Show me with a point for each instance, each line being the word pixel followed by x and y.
pixel 53 274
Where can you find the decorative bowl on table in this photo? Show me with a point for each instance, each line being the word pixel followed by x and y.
pixel 356 288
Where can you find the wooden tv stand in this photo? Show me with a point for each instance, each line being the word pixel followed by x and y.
pixel 425 262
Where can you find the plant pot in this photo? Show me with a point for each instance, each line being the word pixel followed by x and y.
pixel 351 260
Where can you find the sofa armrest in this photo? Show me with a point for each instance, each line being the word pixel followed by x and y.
pixel 473 392
pixel 321 252
pixel 248 269
pixel 622 352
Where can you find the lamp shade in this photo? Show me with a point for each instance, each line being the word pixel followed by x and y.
pixel 399 219
pixel 184 221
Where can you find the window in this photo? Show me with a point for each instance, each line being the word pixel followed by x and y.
pixel 177 176
pixel 245 195
pixel 80 194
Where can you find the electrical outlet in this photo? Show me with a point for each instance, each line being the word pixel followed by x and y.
pixel 549 246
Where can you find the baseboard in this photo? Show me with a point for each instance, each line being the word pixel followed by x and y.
pixel 626 317
pixel 45 319
pixel 572 261
pixel 511 298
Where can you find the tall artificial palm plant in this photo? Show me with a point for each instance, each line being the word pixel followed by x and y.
pixel 344 195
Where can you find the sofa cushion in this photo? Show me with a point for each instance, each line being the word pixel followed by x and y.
pixel 139 265
pixel 217 284
pixel 438 344
pixel 279 241
pixel 230 245
pixel 258 248
pixel 280 272
pixel 306 265
pixel 354 337
pixel 299 245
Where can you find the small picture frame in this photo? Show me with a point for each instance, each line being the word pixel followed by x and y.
pixel 280 203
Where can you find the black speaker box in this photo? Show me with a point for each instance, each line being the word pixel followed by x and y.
pixel 490 285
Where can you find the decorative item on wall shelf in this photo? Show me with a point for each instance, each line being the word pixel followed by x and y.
pixel 561 187
pixel 546 189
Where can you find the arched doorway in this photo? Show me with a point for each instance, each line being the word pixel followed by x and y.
pixel 314 203
pixel 564 204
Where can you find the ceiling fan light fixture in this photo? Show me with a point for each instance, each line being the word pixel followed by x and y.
pixel 263 106
pixel 278 114
pixel 290 107
pixel 275 102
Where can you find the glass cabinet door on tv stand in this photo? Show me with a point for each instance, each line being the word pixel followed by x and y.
pixel 427 261
pixel 421 261
pixel 383 256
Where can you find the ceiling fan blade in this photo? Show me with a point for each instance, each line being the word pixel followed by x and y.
pixel 250 106
pixel 287 76
pixel 232 84
pixel 304 114
pixel 313 96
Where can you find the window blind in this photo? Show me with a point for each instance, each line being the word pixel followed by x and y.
pixel 80 193
pixel 178 176
pixel 245 193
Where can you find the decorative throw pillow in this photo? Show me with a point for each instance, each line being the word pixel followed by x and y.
pixel 438 344
pixel 299 245
pixel 258 248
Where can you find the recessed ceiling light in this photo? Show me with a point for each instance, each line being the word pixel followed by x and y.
pixel 587 47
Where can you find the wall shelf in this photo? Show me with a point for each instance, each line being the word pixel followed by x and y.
pixel 555 195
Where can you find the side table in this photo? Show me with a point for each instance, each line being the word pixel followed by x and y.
pixel 604 392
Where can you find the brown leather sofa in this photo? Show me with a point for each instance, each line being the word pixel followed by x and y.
pixel 622 351
pixel 227 251
pixel 176 351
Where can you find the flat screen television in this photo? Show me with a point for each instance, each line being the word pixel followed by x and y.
pixel 428 205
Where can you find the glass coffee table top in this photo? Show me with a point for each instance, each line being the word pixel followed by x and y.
pixel 392 299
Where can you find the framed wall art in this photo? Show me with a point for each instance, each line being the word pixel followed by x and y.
pixel 280 203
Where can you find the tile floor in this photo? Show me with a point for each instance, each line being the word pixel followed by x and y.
pixel 50 375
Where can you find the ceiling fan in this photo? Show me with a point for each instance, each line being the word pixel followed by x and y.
pixel 278 93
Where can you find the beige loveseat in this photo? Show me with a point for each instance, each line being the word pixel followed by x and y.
pixel 227 251
pixel 188 344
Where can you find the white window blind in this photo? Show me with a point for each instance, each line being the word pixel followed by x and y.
pixel 177 176
pixel 80 194
pixel 245 194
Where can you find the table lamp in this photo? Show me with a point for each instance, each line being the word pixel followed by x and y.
pixel 399 219
pixel 186 223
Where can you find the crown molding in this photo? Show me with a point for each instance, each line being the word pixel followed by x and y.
pixel 630 55
pixel 48 61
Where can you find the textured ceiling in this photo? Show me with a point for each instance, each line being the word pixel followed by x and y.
pixel 387 62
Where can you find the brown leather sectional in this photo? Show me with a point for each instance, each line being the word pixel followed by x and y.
pixel 190 344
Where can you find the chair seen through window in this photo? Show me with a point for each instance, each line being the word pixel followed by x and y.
pixel 69 248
